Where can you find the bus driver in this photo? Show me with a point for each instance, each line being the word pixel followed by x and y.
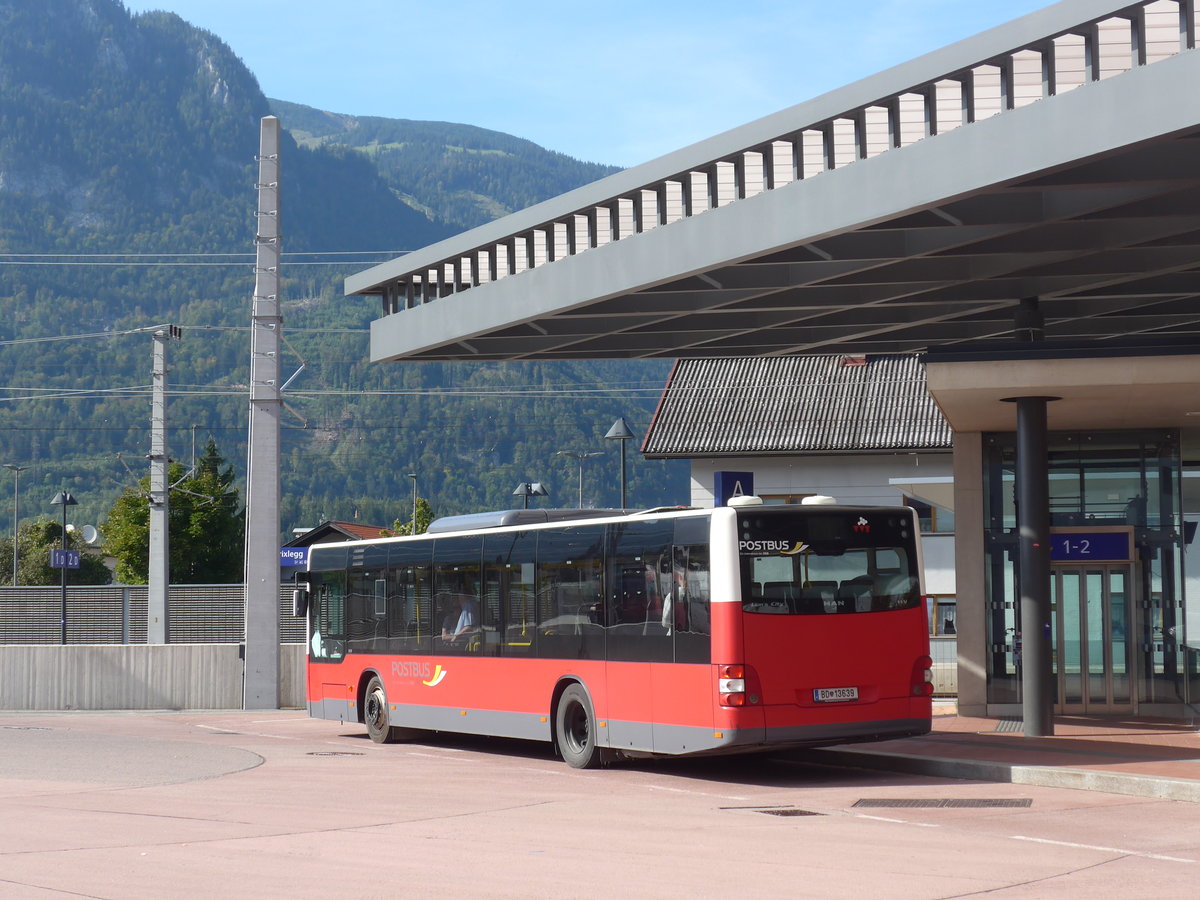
pixel 466 623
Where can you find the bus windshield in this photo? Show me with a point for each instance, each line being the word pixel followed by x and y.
pixel 827 561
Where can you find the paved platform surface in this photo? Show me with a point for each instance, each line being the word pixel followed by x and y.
pixel 146 805
pixel 1140 758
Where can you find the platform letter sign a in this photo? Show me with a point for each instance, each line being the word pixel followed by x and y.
pixel 732 484
pixel 64 559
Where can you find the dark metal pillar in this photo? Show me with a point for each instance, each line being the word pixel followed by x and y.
pixel 1033 528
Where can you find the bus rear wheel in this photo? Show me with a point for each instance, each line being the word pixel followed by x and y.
pixel 575 730
pixel 376 715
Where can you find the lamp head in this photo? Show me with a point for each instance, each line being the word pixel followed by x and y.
pixel 619 431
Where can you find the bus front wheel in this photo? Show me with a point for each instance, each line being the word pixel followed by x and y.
pixel 575 730
pixel 375 714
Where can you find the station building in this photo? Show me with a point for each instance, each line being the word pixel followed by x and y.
pixel 863 430
pixel 1021 207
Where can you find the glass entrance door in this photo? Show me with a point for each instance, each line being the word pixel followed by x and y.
pixel 1092 659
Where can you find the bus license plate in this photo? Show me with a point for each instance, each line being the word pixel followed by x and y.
pixel 835 695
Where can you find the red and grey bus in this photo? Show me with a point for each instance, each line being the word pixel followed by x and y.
pixel 611 635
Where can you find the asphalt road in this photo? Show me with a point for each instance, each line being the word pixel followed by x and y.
pixel 133 805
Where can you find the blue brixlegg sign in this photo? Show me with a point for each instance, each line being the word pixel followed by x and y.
pixel 293 556
pixel 64 559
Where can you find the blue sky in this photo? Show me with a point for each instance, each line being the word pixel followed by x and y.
pixel 619 82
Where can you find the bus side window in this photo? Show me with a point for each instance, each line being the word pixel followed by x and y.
pixel 638 623
pixel 411 610
pixel 457 563
pixel 570 592
pixel 693 614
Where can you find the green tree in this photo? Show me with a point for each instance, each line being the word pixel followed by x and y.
pixel 209 523
pixel 36 541
pixel 424 517
pixel 206 524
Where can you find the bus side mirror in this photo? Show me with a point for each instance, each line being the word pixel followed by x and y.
pixel 300 600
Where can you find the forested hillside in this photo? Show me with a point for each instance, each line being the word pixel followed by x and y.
pixel 456 174
pixel 126 200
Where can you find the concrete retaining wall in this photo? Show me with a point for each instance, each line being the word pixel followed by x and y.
pixel 190 676
pixel 133 676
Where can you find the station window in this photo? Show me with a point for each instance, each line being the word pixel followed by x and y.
pixel 783 499
pixel 943 615
pixel 933 520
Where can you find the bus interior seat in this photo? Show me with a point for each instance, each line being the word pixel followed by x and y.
pixel 856 587
pixel 814 595
pixel 777 591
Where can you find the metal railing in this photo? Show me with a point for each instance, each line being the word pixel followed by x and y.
pixel 116 614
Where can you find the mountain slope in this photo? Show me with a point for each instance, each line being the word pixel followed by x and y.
pixel 457 174
pixel 115 127
pixel 123 134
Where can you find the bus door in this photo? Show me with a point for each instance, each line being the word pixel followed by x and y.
pixel 636 636
pixel 327 694
pixel 680 677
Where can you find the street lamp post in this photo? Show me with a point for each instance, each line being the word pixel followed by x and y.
pixel 64 499
pixel 413 530
pixel 527 489
pixel 16 470
pixel 620 432
pixel 580 456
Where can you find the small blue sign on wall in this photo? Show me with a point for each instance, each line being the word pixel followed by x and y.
pixel 64 559
pixel 1090 546
pixel 731 484
pixel 293 556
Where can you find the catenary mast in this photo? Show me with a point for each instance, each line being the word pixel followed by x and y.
pixel 262 471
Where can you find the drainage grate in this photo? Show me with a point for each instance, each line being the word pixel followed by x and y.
pixel 1001 803
pixel 1010 725
pixel 25 728
pixel 333 753
pixel 774 810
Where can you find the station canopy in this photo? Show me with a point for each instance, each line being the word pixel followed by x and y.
pixel 1055 157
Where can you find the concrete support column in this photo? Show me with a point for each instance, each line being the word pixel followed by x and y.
pixel 970 564
pixel 1033 528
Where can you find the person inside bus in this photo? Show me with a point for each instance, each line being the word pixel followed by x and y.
pixel 461 622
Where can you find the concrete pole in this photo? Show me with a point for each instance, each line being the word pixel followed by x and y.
pixel 262 476
pixel 16 470
pixel 1033 529
pixel 158 574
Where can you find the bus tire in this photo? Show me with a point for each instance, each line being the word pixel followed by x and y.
pixel 575 730
pixel 376 714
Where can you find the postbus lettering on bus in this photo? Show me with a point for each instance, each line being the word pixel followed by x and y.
pixel 783 548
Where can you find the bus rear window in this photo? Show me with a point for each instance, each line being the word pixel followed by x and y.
pixel 827 562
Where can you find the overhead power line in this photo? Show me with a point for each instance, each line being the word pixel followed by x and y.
pixel 165 260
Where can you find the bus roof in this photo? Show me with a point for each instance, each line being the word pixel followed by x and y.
pixel 505 517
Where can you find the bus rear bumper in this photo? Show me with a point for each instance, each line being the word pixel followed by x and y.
pixel 679 740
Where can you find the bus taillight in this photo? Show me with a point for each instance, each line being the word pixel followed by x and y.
pixel 922 677
pixel 731 685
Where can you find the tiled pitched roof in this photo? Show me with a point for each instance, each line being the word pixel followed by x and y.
pixel 336 531
pixel 795 404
